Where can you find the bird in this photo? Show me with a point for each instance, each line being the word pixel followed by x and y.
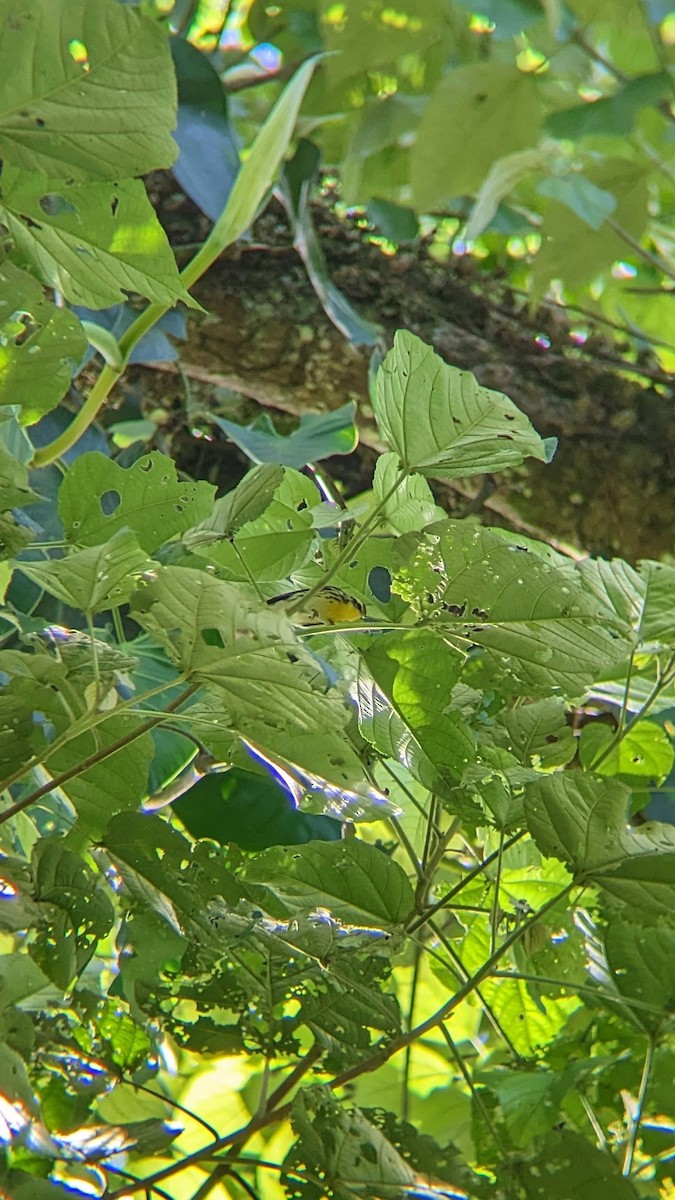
pixel 329 606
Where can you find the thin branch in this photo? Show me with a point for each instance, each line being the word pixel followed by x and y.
pixel 636 1118
pixel 477 870
pixel 477 1098
pixel 405 1093
pixel 99 756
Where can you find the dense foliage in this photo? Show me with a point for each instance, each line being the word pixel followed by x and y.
pixel 295 909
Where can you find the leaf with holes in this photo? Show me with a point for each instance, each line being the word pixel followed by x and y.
pixel 540 628
pixel 272 545
pixel 98 578
pixel 40 345
pixel 93 242
pixel 581 820
pixel 85 91
pixel 98 498
pixel 442 423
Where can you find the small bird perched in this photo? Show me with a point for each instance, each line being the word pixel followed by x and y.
pixel 330 606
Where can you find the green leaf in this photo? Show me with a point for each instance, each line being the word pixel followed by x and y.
pixel 642 962
pixel 259 169
pixel 571 249
pixel 21 1185
pixel 582 821
pixel 247 501
pixel 441 422
pixel 318 435
pixel 14 489
pixel 539 629
pixel 412 505
pixel 187 875
pixel 95 579
pixel 539 733
pixel 356 881
pixel 504 175
pixel 86 92
pixel 93 242
pixel 568 1165
pixel 415 674
pixel 615 115
pixel 117 782
pixel 495 111
pixel 645 754
pixel 250 810
pixel 202 621
pixel 366 40
pixel 20 977
pixel 270 546
pixel 98 498
pixel 31 709
pixel 40 345
pixel 591 203
pixel 76 911
pixel 526 1100
pixel 341 1146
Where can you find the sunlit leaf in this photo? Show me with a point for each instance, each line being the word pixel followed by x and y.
pixel 102 104
pixel 93 242
pixel 541 631
pixel 441 422
pixel 98 497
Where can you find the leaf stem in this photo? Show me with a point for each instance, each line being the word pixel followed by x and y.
pixel 447 899
pixel 636 1118
pixel 352 546
pixel 476 1096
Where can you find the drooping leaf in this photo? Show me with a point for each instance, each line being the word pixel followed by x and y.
pixel 98 578
pixel 98 498
pixel 247 501
pixel 269 544
pixel 93 242
pixel 441 422
pixel 40 345
pixel 102 104
pixel 642 962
